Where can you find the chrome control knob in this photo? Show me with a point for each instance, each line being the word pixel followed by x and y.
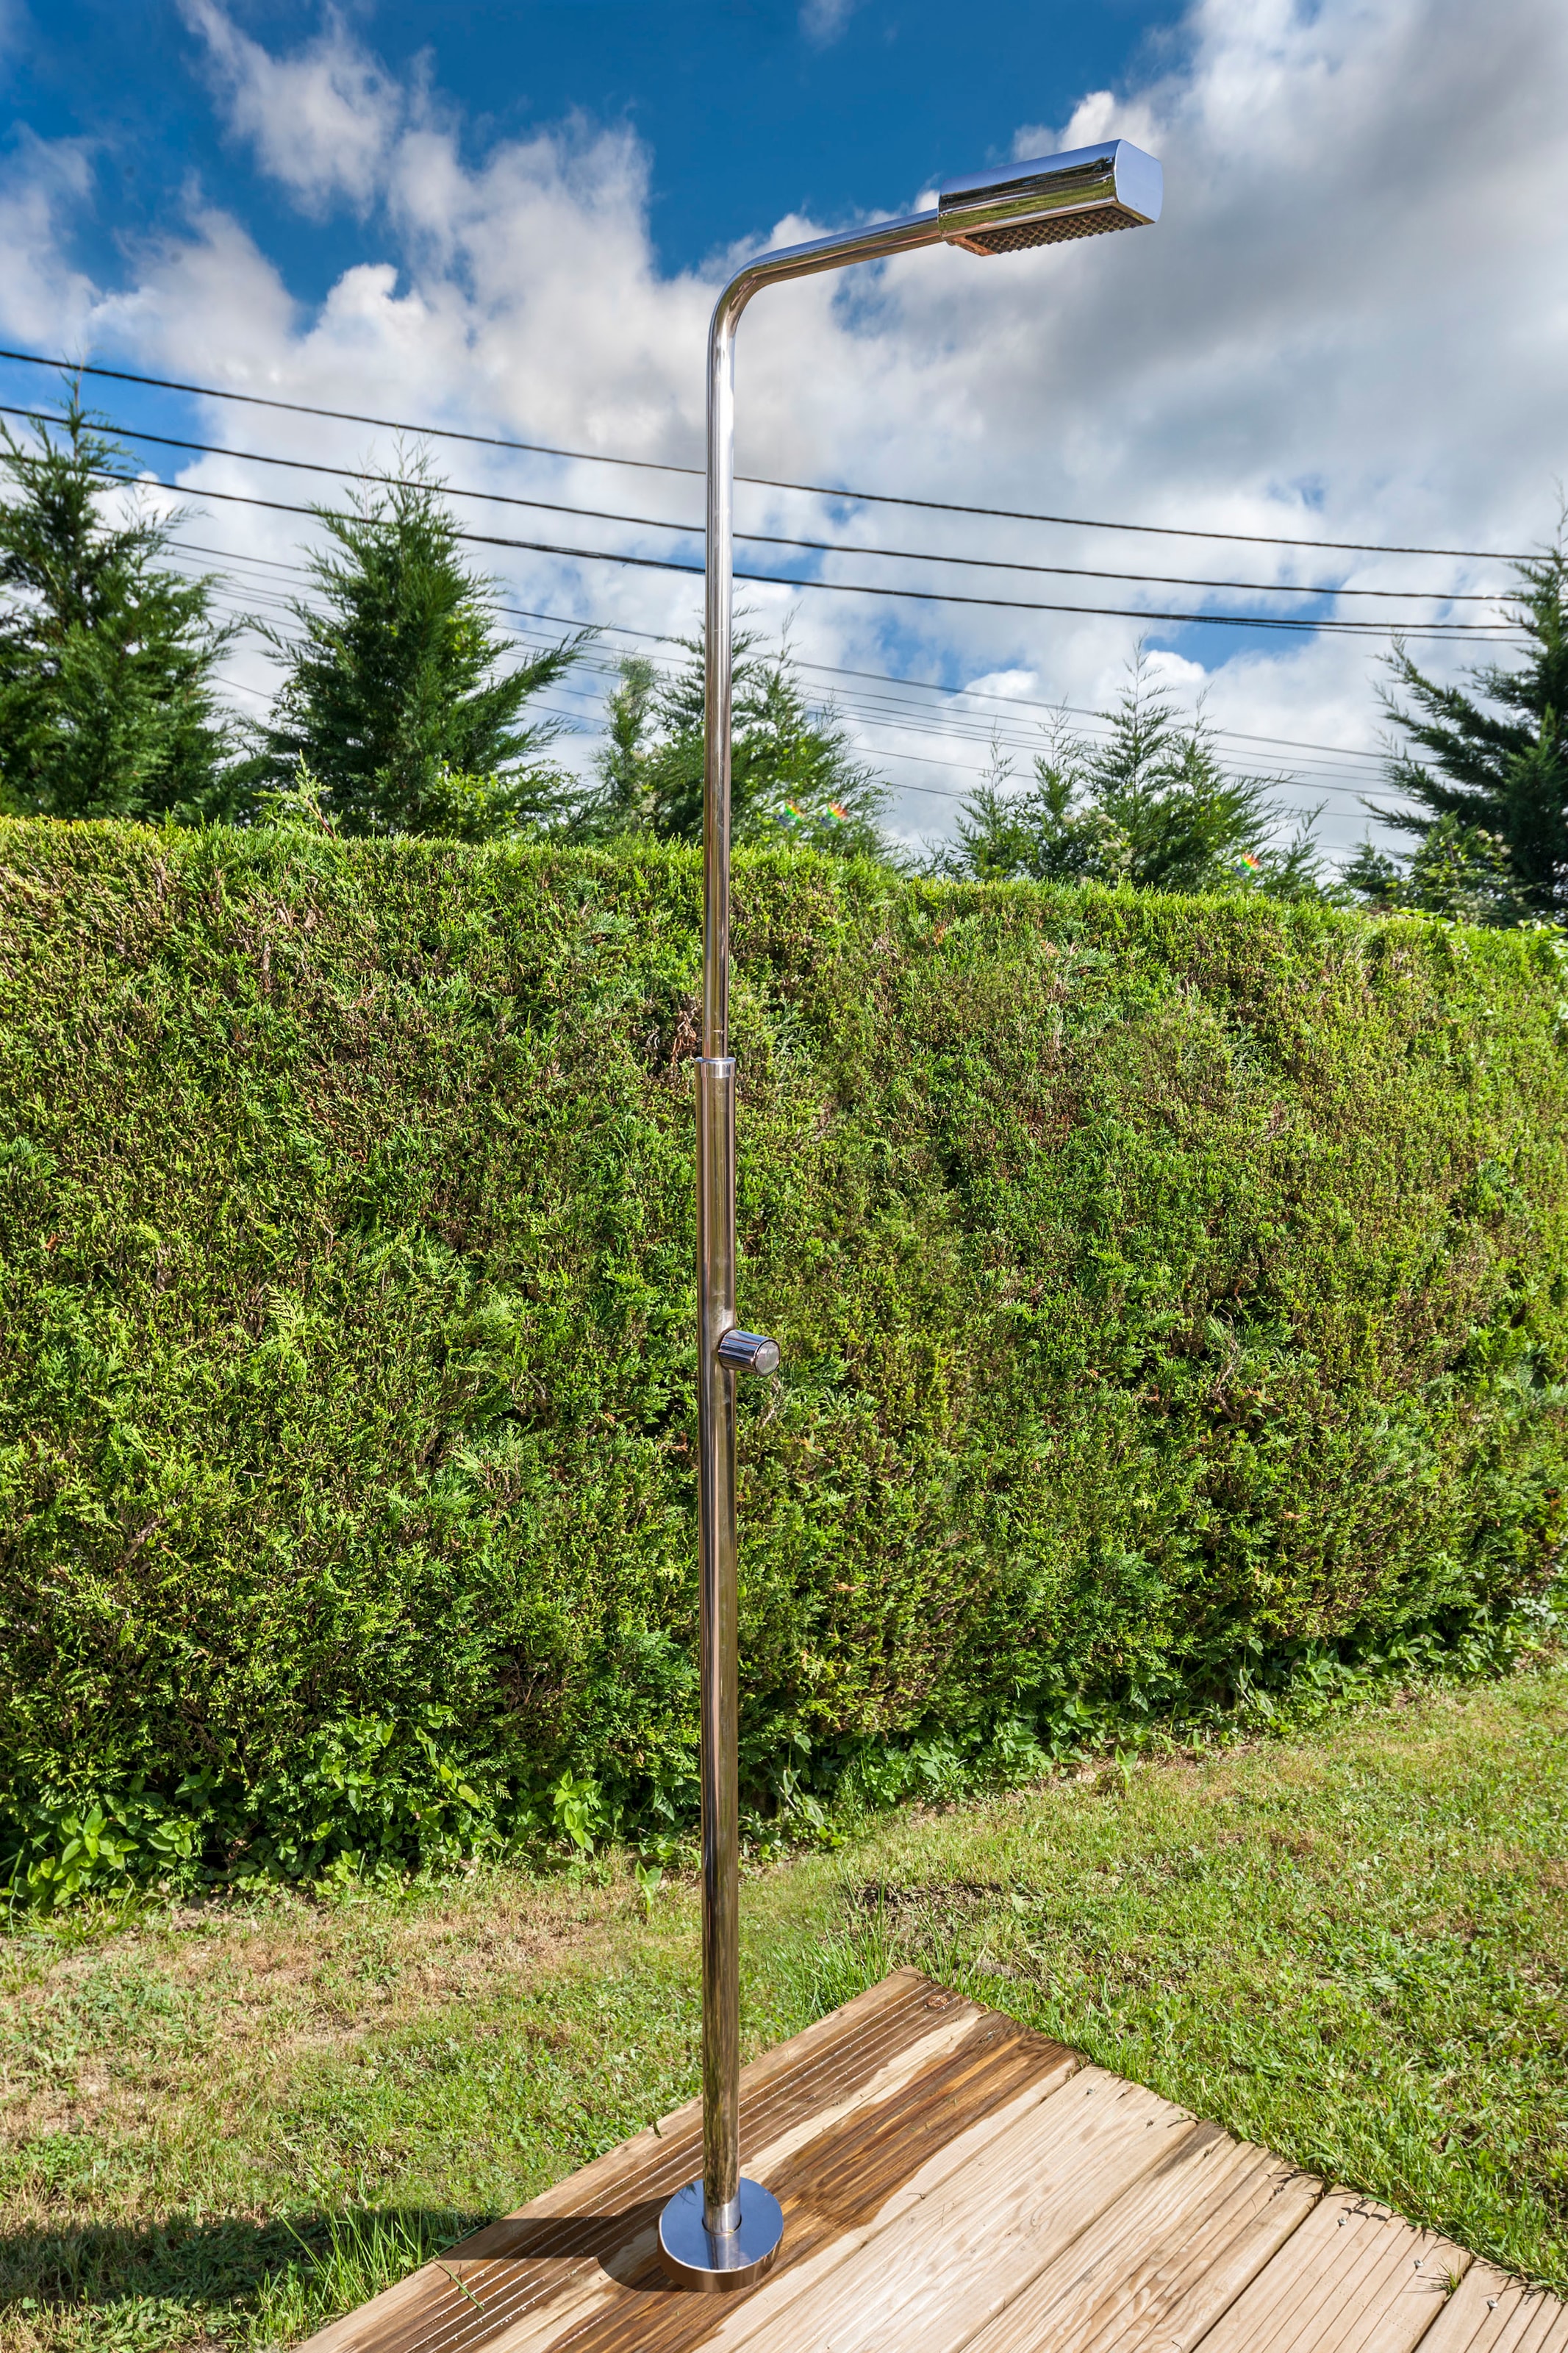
pixel 748 1351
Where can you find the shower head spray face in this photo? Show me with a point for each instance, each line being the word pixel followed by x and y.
pixel 1084 192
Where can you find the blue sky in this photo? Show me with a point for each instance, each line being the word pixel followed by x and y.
pixel 750 111
pixel 1348 325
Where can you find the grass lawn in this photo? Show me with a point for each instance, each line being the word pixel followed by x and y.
pixel 229 2122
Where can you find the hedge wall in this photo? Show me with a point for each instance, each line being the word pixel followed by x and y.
pixel 1165 1285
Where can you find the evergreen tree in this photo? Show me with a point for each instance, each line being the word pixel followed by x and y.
pixel 1051 831
pixel 794 774
pixel 1459 870
pixel 1490 817
pixel 1152 805
pixel 395 697
pixel 106 655
pixel 622 801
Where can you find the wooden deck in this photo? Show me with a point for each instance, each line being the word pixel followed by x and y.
pixel 951 2180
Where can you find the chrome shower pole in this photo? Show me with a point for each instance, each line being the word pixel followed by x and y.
pixel 723 2231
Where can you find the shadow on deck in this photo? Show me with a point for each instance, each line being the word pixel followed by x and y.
pixel 954 2183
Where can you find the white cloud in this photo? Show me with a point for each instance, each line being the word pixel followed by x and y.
pixel 822 21
pixel 1005 686
pixel 321 120
pixel 1352 323
pixel 43 185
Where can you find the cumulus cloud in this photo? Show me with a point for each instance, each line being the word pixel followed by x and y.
pixel 1348 325
pixel 43 187
pixel 321 119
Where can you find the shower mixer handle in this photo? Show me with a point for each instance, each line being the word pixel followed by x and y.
pixel 748 1351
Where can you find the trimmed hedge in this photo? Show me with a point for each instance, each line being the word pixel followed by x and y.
pixel 1167 1287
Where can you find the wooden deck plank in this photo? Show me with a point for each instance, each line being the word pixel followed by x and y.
pixel 835 2192
pixel 464 2297
pixel 800 2267
pixel 920 2279
pixel 566 2272
pixel 1489 2313
pixel 727 2321
pixel 1162 2266
pixel 954 2183
pixel 1352 2278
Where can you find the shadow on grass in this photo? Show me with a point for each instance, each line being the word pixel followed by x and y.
pixel 105 2286
pixel 265 2280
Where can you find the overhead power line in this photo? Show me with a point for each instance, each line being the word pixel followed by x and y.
pixel 873 715
pixel 895 712
pixel 763 481
pixel 951 722
pixel 772 539
pixel 1416 629
pixel 828 670
pixel 881 752
pixel 879 722
pixel 886 678
pixel 899 714
pixel 969 694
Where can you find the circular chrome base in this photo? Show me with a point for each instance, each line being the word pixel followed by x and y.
pixel 694 2257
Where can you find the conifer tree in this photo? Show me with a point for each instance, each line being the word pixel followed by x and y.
pixel 621 800
pixel 794 777
pixel 1152 805
pixel 106 654
pixel 1459 870
pixel 396 697
pixel 1490 815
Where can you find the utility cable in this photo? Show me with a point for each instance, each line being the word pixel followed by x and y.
pixel 828 669
pixel 763 481
pixel 883 677
pixel 876 722
pixel 886 678
pixel 1418 628
pixel 772 539
pixel 883 716
pixel 833 669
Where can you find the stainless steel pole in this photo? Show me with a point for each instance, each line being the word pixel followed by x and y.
pixel 722 2230
pixel 720 2233
pixel 720 1670
pixel 715 1317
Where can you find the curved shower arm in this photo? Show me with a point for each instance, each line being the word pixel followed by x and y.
pixel 874 244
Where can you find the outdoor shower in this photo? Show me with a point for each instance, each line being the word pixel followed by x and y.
pixel 723 2231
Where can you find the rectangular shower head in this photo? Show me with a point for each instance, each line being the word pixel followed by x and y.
pixel 1084 192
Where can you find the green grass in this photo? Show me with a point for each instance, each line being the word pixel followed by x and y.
pixel 233 2122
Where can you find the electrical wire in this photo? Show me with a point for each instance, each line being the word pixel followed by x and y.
pixel 1009 703
pixel 928 791
pixel 773 539
pixel 879 723
pixel 1429 630
pixel 876 708
pixel 885 715
pixel 969 694
pixel 829 670
pixel 882 715
pixel 765 482
pixel 868 712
